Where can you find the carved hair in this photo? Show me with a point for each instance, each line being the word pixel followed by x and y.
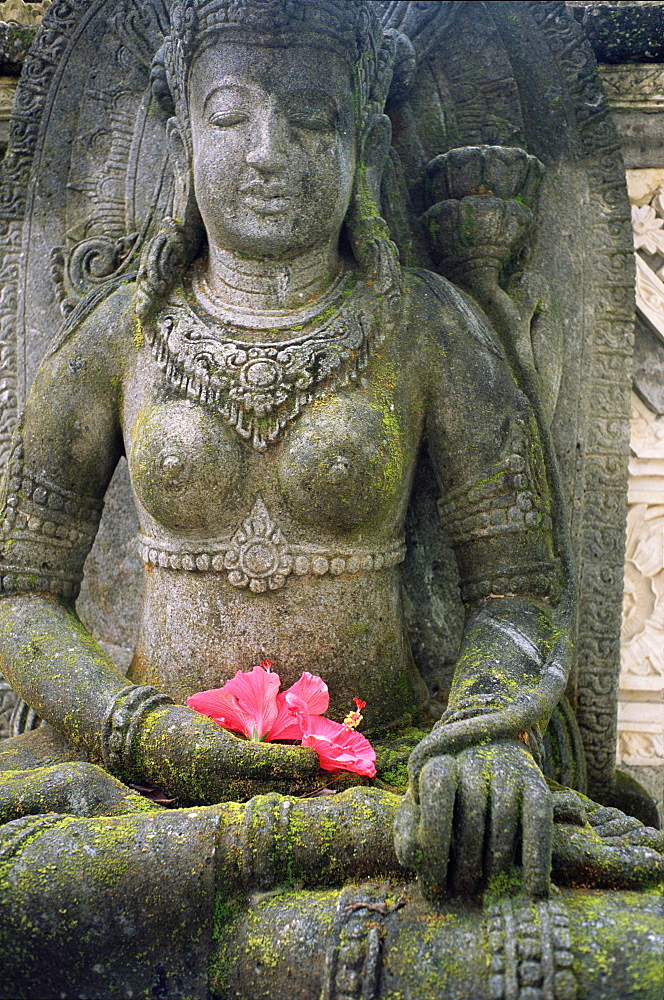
pixel 349 27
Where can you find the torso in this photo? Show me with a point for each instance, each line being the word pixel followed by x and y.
pixel 249 541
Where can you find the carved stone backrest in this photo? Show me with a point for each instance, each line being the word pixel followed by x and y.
pixel 87 172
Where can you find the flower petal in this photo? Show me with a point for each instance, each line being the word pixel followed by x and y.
pixel 245 704
pixel 313 698
pixel 339 748
pixel 312 690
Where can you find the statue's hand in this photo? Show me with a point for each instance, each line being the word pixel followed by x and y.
pixel 464 816
pixel 602 848
pixel 193 759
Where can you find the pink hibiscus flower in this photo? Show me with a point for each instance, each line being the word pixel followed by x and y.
pixel 246 704
pixel 251 704
pixel 339 747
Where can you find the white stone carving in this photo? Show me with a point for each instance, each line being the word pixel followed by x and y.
pixel 641 704
pixel 19 12
pixel 643 185
pixel 648 234
pixel 650 294
pixel 8 86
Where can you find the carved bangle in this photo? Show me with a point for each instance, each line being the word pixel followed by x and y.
pixel 121 726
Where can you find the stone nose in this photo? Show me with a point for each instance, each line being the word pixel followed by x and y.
pixel 269 150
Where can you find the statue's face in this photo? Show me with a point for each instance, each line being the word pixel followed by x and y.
pixel 274 143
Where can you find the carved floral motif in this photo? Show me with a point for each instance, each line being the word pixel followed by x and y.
pixel 648 234
pixel 640 709
pixel 258 557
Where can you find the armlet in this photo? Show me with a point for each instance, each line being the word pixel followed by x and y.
pixel 46 532
pixel 500 528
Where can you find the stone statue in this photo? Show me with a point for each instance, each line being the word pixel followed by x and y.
pixel 271 371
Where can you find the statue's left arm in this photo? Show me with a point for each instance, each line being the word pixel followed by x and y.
pixel 476 788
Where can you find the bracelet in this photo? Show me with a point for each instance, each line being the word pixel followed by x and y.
pixel 121 725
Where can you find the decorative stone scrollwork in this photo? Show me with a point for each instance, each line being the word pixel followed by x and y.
pixel 88 264
pixel 638 87
pixel 640 712
pixel 260 388
pixel 640 729
pixel 7 94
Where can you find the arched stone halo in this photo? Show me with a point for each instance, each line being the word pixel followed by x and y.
pixel 258 557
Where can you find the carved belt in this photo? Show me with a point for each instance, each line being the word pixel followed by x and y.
pixel 259 557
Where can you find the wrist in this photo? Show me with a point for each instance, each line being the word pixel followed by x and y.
pixel 124 726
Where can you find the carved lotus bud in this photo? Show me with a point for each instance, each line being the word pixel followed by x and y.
pixel 477 229
pixel 495 171
pixel 479 197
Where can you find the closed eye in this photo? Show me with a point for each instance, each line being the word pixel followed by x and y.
pixel 312 123
pixel 228 119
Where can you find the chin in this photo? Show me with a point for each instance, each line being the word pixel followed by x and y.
pixel 271 242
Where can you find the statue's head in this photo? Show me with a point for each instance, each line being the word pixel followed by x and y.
pixel 277 130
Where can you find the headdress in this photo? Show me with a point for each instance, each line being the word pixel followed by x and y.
pixel 351 28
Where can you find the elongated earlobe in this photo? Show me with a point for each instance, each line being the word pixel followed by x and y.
pixel 181 162
pixel 367 230
pixel 375 145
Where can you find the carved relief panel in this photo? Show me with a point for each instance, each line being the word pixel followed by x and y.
pixel 641 705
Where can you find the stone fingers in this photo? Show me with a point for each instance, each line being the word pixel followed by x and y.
pixel 423 752
pixel 407 832
pixel 470 826
pixel 504 822
pixel 438 789
pixel 537 833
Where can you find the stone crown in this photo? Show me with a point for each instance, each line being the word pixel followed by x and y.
pixel 350 27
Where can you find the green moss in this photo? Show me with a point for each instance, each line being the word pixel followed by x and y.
pixel 139 335
pixel 382 388
pixel 396 777
pixel 508 883
pixel 609 935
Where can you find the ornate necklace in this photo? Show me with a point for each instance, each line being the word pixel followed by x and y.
pixel 261 387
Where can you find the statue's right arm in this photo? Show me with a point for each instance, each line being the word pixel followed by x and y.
pixel 64 452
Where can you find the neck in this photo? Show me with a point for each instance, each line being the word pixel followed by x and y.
pixel 271 285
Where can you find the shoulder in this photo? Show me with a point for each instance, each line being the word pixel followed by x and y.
pixel 100 338
pixel 442 314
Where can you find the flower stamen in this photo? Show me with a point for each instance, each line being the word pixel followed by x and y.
pixel 353 719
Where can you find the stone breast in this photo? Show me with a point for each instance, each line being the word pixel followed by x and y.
pixel 342 465
pixel 186 467
pixel 339 468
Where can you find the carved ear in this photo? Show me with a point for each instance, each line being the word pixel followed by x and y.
pixel 181 161
pixel 373 154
